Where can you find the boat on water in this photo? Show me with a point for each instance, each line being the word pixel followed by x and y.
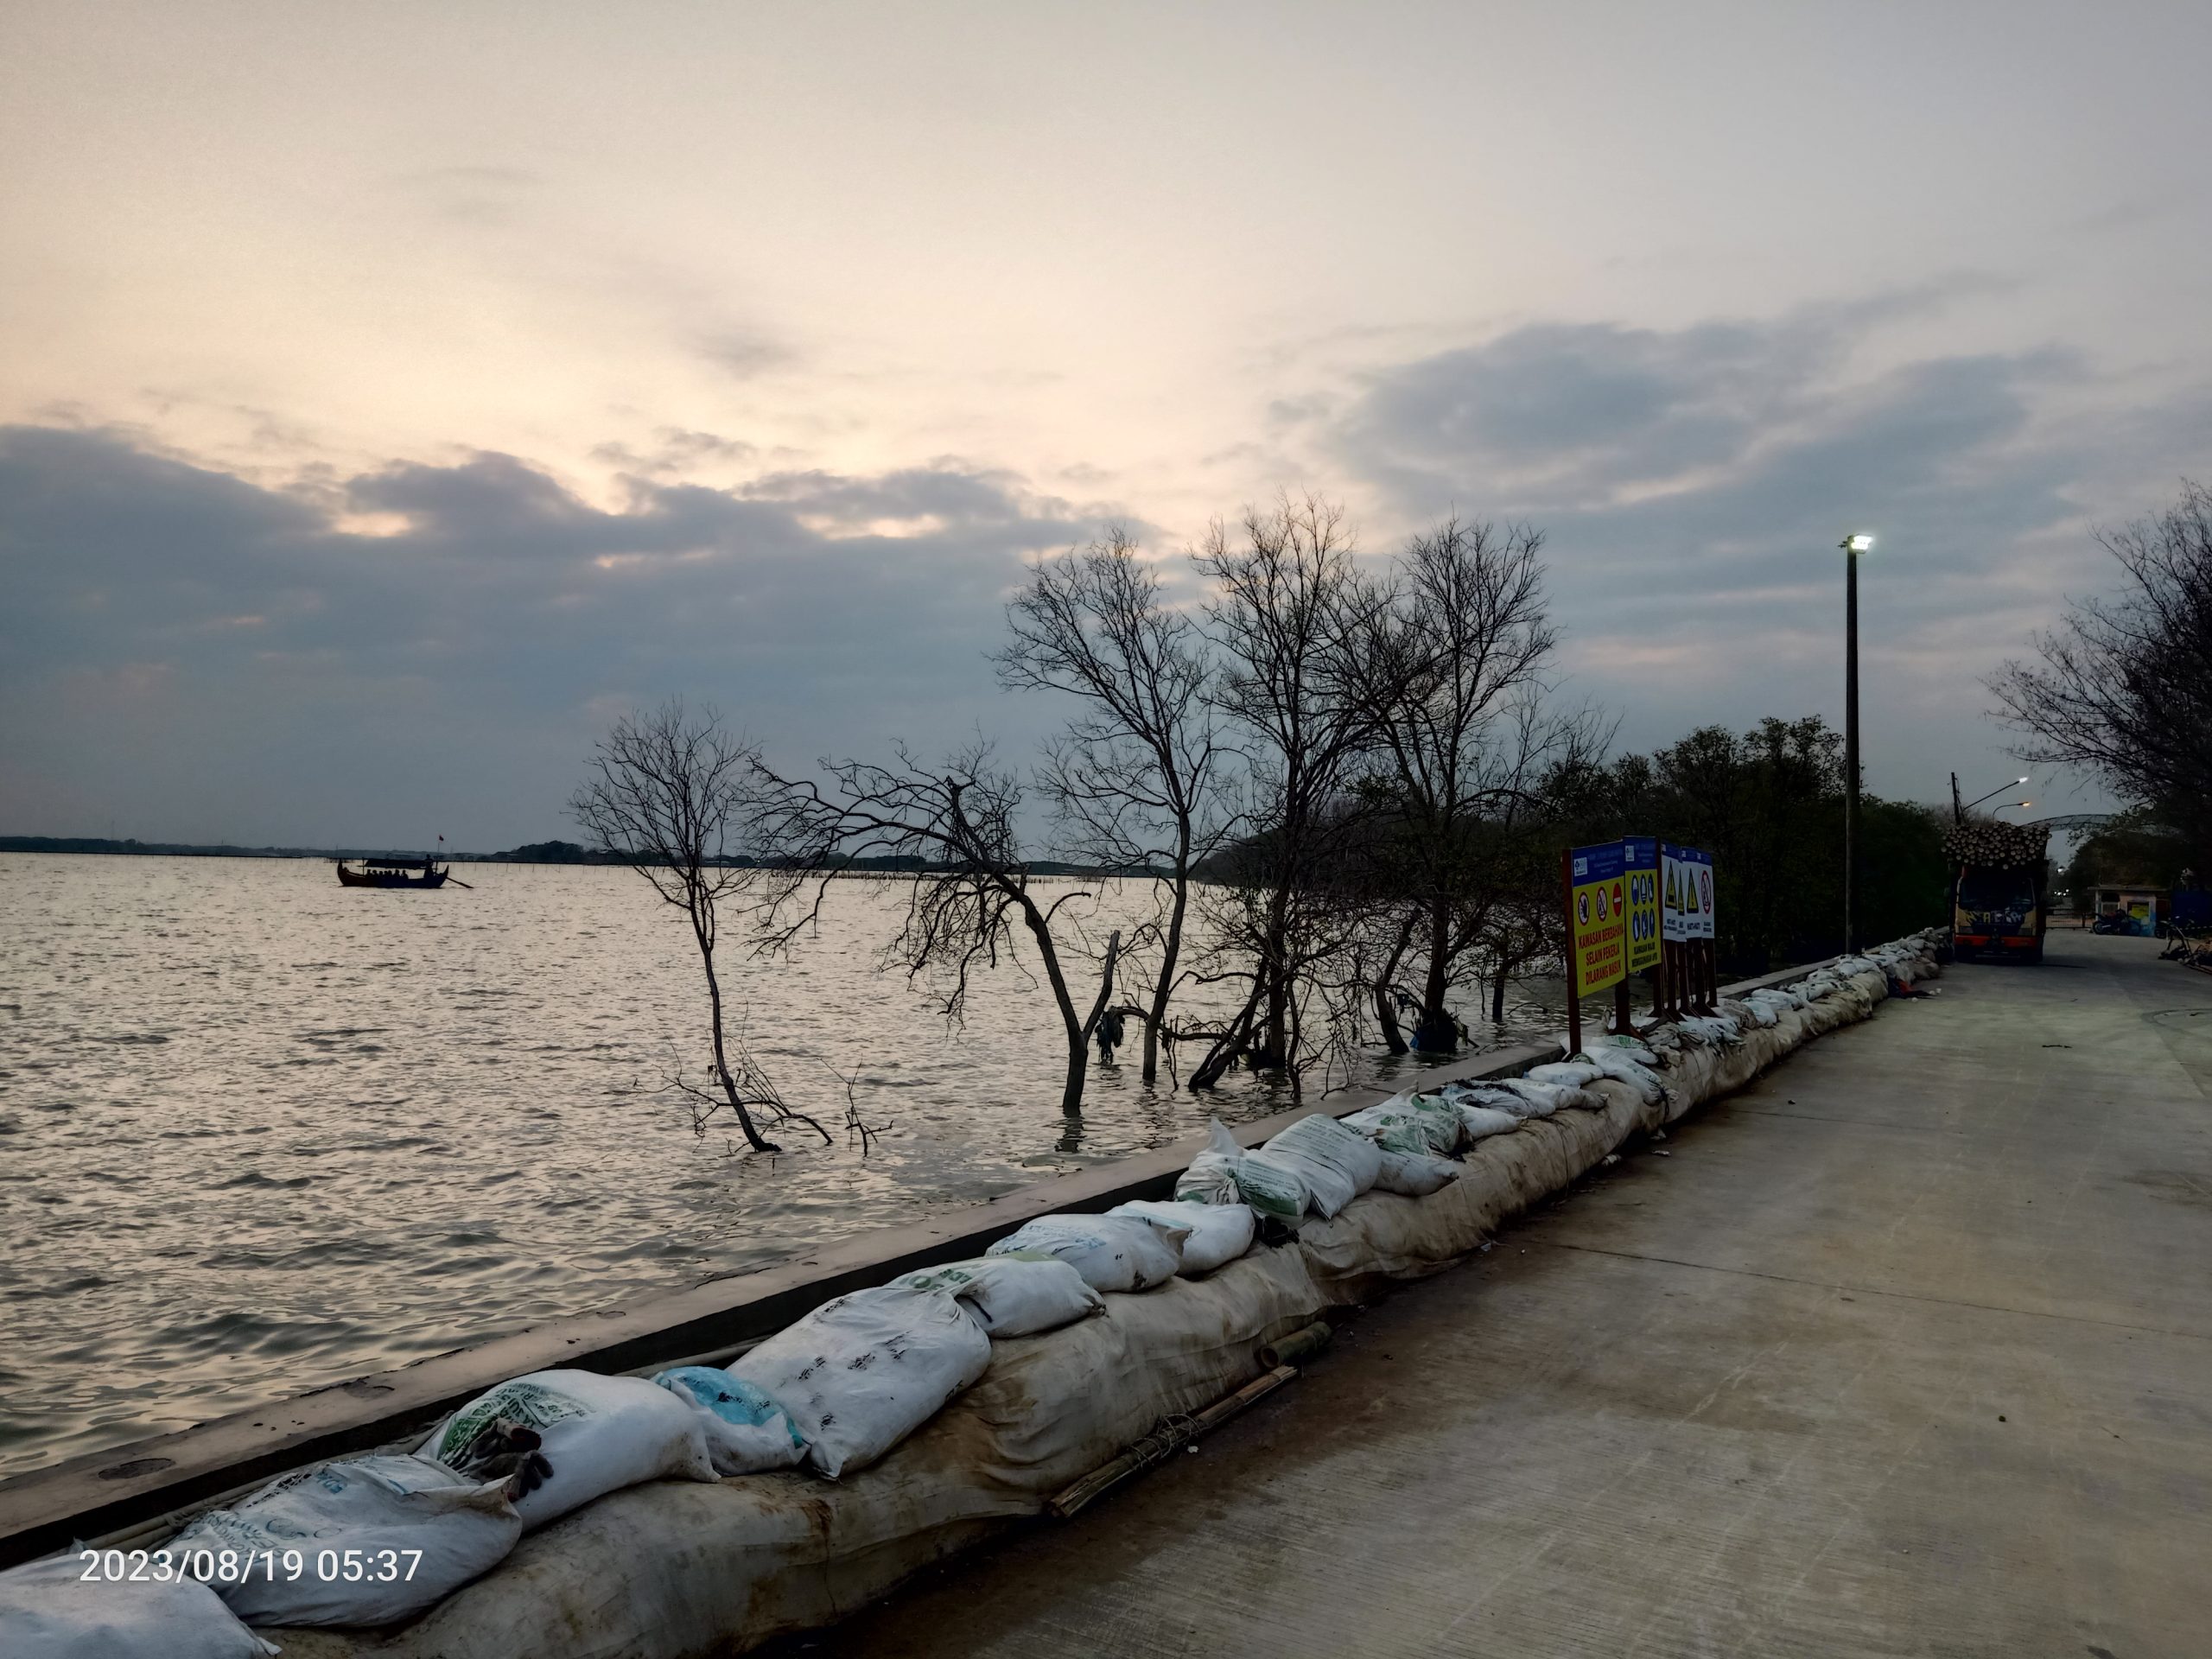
pixel 422 872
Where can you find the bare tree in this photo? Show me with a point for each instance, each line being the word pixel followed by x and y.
pixel 667 795
pixel 1133 779
pixel 1450 675
pixel 968 890
pixel 1286 608
pixel 2124 691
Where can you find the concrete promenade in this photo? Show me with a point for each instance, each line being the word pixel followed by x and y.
pixel 1905 1350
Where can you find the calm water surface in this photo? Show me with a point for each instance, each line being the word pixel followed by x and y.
pixel 259 1133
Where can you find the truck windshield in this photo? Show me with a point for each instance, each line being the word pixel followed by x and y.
pixel 1996 890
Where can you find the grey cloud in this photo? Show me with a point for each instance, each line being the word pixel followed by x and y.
pixel 677 449
pixel 504 612
pixel 1694 483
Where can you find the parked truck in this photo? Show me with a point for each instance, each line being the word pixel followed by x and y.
pixel 2000 903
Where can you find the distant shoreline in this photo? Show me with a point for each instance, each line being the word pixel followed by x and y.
pixel 543 852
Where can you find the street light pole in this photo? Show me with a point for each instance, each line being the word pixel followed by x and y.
pixel 1852 546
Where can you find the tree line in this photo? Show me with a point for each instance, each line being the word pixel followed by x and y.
pixel 1350 780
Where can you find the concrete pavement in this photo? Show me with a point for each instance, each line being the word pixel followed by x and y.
pixel 1905 1350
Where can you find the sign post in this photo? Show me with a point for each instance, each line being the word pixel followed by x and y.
pixel 1640 858
pixel 1686 928
pixel 1596 880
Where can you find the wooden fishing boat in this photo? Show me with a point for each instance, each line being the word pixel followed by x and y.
pixel 394 873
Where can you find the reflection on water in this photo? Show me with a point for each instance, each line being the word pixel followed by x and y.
pixel 259 1132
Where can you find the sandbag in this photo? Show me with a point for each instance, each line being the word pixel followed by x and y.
pixel 1534 1101
pixel 1220 1174
pixel 1335 1164
pixel 357 1509
pixel 1211 1178
pixel 48 1610
pixel 863 1371
pixel 1110 1252
pixel 1217 1233
pixel 1573 1073
pixel 1415 1175
pixel 1014 1294
pixel 1418 1123
pixel 1272 1190
pixel 598 1433
pixel 1619 1064
pixel 745 1430
pixel 1551 1097
pixel 1392 1130
pixel 1482 1122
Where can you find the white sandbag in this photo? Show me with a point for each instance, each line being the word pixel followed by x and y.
pixel 1573 1073
pixel 1014 1294
pixel 599 1434
pixel 1414 1174
pixel 48 1611
pixel 1561 1097
pixel 863 1372
pixel 1217 1233
pixel 747 1431
pixel 1211 1178
pixel 1392 1129
pixel 1218 1175
pixel 1335 1164
pixel 1596 1049
pixel 1272 1190
pixel 1616 1062
pixel 1482 1122
pixel 438 1529
pixel 1110 1252
pixel 1440 1126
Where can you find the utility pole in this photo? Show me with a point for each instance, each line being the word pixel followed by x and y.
pixel 1852 546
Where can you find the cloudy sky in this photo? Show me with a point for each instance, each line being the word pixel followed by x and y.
pixel 389 396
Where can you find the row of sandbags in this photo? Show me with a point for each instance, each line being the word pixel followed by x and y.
pixel 840 1388
pixel 375 1540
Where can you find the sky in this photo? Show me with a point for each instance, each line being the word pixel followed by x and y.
pixel 391 396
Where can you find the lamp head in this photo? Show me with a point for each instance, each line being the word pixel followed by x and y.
pixel 1859 541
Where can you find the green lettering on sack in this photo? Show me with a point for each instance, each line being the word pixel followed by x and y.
pixel 532 1404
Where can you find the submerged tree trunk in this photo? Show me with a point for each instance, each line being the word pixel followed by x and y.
pixel 1386 985
pixel 1156 1019
pixel 1437 1032
pixel 730 1093
pixel 1224 1049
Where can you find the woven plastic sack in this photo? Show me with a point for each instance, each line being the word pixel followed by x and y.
pixel 1211 1178
pixel 863 1371
pixel 747 1432
pixel 1110 1252
pixel 1335 1164
pixel 598 1433
pixel 1013 1294
pixel 1392 1129
pixel 454 1528
pixel 48 1611
pixel 1217 1233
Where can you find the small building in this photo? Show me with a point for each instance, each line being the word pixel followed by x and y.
pixel 2132 910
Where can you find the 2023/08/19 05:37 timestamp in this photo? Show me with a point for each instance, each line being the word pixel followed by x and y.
pixel 242 1566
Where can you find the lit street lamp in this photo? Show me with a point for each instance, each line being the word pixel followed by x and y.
pixel 1853 545
pixel 1960 812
